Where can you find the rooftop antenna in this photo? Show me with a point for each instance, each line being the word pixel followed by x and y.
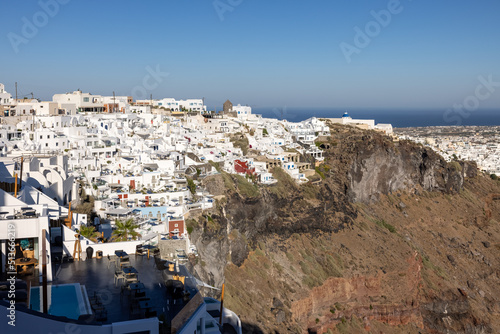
pixel 16 91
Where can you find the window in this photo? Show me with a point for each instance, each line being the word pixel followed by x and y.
pixel 57 144
pixel 176 225
pixel 85 99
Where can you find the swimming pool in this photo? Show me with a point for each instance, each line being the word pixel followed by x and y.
pixel 68 300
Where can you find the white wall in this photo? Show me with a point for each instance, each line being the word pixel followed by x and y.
pixel 108 248
pixel 31 323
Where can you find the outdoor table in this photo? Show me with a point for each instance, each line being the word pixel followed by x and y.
pixel 136 286
pixel 120 254
pixel 30 262
pixel 130 270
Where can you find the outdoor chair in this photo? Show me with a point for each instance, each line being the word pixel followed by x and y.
pixel 119 275
pixel 159 263
pixel 95 299
pixel 139 250
pixel 131 278
pixel 97 307
pixel 124 261
pixel 110 260
pixel 101 315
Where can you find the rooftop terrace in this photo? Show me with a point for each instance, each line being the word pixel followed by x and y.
pixel 97 275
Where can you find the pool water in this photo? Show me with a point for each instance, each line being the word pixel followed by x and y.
pixel 63 300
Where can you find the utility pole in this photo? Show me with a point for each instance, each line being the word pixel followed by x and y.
pixel 16 91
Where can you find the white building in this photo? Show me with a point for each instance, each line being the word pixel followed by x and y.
pixel 168 103
pixel 84 102
pixel 192 105
pixel 242 112
pixel 5 98
pixel 24 226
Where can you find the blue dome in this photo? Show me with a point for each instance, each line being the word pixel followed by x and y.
pixel 345 115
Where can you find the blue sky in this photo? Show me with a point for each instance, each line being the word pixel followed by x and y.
pixel 271 53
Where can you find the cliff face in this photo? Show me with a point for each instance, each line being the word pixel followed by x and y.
pixel 389 237
pixel 375 165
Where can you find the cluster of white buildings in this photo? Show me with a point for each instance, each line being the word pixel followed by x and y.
pixel 139 159
pixel 475 143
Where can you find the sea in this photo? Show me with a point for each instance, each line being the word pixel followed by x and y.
pixel 398 118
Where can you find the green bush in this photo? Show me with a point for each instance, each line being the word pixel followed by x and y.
pixel 191 186
pixel 320 173
pixel 382 223
pixel 246 188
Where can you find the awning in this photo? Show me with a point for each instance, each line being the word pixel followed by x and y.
pixel 118 212
pixel 149 236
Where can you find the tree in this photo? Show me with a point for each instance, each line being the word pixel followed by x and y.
pixel 89 232
pixel 124 230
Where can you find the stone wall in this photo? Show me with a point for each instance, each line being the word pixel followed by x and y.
pixel 168 247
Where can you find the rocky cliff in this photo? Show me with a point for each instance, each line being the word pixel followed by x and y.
pixel 387 237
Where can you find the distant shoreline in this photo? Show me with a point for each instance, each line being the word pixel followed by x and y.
pixel 398 119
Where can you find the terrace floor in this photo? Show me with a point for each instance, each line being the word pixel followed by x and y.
pixel 97 278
